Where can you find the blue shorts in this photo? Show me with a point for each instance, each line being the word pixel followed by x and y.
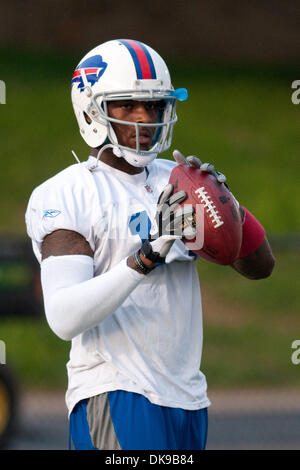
pixel 129 421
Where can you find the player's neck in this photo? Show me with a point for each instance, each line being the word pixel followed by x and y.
pixel 119 163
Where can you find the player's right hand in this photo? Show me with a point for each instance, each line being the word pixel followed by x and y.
pixel 171 222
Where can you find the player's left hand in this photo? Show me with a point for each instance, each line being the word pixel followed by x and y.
pixel 208 167
pixel 196 163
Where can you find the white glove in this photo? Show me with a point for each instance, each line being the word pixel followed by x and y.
pixel 171 222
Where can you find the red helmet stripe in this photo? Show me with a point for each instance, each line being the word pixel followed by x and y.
pixel 142 59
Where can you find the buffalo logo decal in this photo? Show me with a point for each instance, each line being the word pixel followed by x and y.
pixel 93 67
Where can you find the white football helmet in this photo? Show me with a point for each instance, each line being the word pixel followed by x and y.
pixel 123 70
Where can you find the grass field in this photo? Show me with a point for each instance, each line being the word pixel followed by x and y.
pixel 240 118
pixel 249 326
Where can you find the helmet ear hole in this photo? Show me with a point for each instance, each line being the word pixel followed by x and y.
pixel 87 118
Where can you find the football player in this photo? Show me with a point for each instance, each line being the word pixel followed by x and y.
pixel 118 282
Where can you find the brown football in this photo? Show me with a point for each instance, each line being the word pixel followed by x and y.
pixel 220 230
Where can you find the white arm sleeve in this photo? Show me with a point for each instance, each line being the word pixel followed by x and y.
pixel 74 300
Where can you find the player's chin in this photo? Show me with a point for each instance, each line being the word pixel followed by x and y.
pixel 145 147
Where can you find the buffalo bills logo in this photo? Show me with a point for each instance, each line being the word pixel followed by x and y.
pixel 94 68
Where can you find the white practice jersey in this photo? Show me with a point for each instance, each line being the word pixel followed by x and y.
pixel 152 344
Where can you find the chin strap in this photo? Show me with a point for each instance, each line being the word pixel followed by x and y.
pixel 134 158
pixel 94 165
pixel 131 157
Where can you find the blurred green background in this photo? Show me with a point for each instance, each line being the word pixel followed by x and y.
pixel 239 117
